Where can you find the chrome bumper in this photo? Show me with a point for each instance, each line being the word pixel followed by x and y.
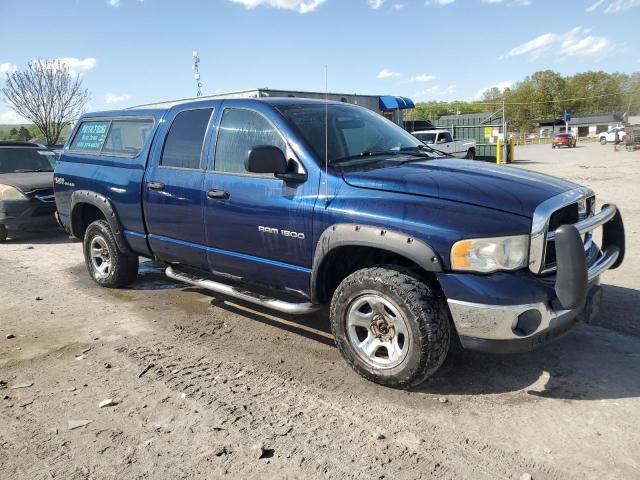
pixel 502 322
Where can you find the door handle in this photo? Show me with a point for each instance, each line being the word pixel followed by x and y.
pixel 155 185
pixel 218 194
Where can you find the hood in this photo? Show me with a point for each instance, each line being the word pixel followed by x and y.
pixel 27 182
pixel 502 188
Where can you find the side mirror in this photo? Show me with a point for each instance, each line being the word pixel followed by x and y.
pixel 266 159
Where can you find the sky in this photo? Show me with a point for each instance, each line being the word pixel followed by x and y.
pixel 131 52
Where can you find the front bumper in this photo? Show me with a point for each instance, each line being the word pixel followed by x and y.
pixel 28 212
pixel 527 310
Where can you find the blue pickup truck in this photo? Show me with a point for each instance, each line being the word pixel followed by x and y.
pixel 294 204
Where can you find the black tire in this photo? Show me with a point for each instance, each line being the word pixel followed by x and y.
pixel 471 154
pixel 603 140
pixel 553 146
pixel 3 233
pixel 425 317
pixel 121 268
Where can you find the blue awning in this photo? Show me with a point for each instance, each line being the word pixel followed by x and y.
pixel 388 103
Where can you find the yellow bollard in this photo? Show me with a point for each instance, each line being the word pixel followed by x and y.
pixel 512 149
pixel 498 151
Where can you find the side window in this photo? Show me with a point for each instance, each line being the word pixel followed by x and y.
pixel 127 137
pixel 445 137
pixel 240 131
pixel 90 137
pixel 183 145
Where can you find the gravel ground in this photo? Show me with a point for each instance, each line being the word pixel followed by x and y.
pixel 204 387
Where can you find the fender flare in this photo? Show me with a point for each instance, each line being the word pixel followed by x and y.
pixel 351 234
pixel 103 204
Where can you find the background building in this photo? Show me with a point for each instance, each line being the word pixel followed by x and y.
pixel 391 107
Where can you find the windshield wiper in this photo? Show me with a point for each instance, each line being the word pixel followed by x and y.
pixel 375 153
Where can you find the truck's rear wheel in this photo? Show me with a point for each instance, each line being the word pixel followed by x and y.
pixel 471 154
pixel 3 233
pixel 107 264
pixel 389 326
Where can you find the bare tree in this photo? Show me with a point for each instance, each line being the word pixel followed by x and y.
pixel 47 94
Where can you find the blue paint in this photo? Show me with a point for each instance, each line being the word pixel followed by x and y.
pixel 231 254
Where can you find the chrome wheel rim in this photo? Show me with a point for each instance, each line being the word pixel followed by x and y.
pixel 100 257
pixel 377 331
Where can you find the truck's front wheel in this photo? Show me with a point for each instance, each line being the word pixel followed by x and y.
pixel 107 264
pixel 390 326
pixel 603 140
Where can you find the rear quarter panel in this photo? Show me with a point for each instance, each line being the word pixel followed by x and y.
pixel 117 178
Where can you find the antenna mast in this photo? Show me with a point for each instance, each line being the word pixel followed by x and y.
pixel 326 137
pixel 196 72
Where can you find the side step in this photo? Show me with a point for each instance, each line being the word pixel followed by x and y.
pixel 279 305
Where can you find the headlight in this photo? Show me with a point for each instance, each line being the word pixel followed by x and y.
pixel 486 255
pixel 7 192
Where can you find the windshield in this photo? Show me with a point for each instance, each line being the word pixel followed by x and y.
pixel 426 137
pixel 26 159
pixel 353 133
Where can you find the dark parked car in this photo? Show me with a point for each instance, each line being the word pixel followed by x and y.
pixel 26 186
pixel 563 140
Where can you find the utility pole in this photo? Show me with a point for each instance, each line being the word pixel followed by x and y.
pixel 196 73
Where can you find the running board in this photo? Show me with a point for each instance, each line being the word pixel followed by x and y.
pixel 272 303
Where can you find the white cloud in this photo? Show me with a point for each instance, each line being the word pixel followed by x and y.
pixel 375 4
pixel 110 98
pixel 621 5
pixel 301 6
pixel 386 73
pixel 7 67
pixel 438 2
pixel 10 117
pixel 423 78
pixel 113 3
pixel 436 92
pixel 78 66
pixel 576 42
pixel 594 6
pixel 500 86
pixel 399 6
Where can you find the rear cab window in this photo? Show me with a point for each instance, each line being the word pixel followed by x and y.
pixel 121 137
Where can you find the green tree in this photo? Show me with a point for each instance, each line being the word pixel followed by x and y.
pixel 24 134
pixel 13 134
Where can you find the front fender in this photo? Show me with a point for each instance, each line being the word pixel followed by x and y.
pixel 350 234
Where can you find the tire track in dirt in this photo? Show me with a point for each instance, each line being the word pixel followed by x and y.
pixel 312 428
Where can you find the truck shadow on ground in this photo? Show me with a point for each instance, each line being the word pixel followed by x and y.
pixel 46 235
pixel 588 363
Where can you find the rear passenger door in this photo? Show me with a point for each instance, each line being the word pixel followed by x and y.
pixel 173 189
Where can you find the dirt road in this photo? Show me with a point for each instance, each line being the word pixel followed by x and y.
pixel 204 387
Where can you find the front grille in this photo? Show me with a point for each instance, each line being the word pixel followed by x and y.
pixel 567 215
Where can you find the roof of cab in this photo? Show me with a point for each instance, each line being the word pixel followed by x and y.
pixel 150 112
pixel 159 112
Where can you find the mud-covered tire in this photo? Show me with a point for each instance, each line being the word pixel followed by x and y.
pixel 424 313
pixel 3 233
pixel 120 268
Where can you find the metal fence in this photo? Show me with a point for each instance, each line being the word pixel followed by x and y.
pixel 484 130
